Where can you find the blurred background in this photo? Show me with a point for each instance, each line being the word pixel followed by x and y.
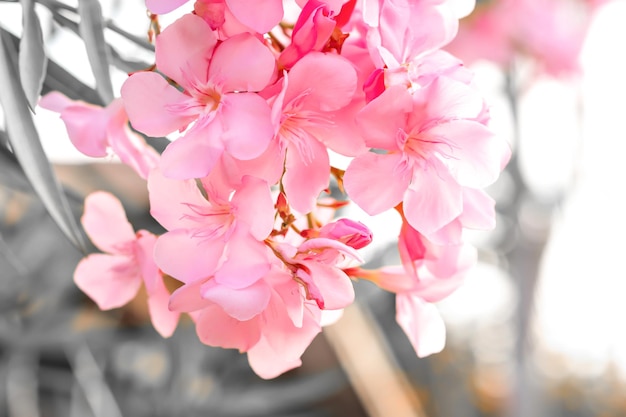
pixel 536 330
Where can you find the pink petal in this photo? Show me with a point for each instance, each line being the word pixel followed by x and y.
pixel 152 104
pixel 242 304
pixel 432 201
pixel 478 210
pixel 381 118
pixel 129 146
pixel 377 182
pixel 254 207
pixel 85 123
pixel 260 15
pixel 193 155
pixel 171 201
pixel 188 298
pixel 305 179
pixel 106 225
pixel 144 253
pixel 281 334
pixel 245 261
pixel 476 152
pixel 56 101
pixel 247 125
pixel 422 324
pixel 180 55
pixel 334 285
pixel 216 328
pixel 186 256
pixel 242 63
pixel 163 320
pixel 164 6
pixel 110 281
pixel 329 81
pixel 269 363
pixel 453 99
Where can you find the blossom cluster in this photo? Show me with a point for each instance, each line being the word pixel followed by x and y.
pixel 256 100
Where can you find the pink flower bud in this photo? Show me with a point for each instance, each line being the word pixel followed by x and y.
pixel 353 234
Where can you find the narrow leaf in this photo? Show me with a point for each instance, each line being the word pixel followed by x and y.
pixel 58 79
pixel 27 146
pixel 32 61
pixel 91 28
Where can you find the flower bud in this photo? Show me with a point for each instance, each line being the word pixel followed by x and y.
pixel 349 232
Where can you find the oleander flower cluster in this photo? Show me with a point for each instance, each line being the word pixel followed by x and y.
pixel 255 99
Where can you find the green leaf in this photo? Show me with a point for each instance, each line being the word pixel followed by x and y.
pixel 27 146
pixel 91 28
pixel 32 61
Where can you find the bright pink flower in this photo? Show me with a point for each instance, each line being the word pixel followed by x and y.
pixel 312 31
pixel 434 147
pixel 94 129
pixel 316 86
pixel 112 279
pixel 221 236
pixel 219 83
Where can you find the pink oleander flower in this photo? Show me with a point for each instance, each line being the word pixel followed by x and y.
pixel 305 117
pixel 260 15
pixel 352 233
pixel 113 278
pixel 394 32
pixel 221 235
pixel 220 82
pixel 94 130
pixel 429 273
pixel 272 322
pixel 431 146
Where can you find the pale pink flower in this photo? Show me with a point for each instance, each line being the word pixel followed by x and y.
pixel 112 279
pixel 402 30
pixel 303 113
pixel 429 273
pixel 274 334
pixel 434 146
pixel 94 130
pixel 221 236
pixel 220 84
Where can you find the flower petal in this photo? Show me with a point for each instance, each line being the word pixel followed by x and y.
pixel 260 15
pixel 242 304
pixel 242 63
pixel 180 55
pixel 151 104
pixel 422 323
pixel 187 257
pixel 106 225
pixel 432 201
pixel 377 182
pixel 216 328
pixel 110 281
pixel 305 179
pixel 247 125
